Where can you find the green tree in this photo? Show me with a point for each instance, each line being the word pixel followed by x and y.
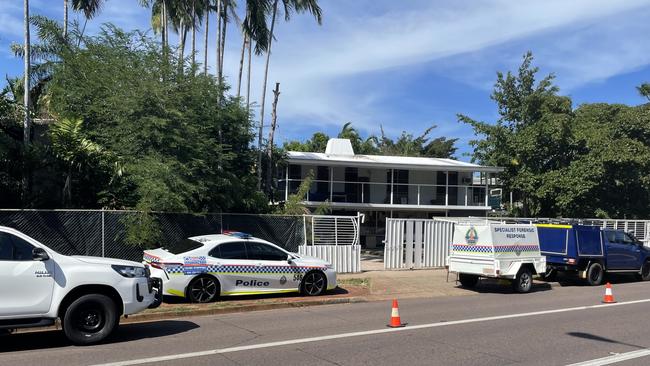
pixel 526 108
pixel 422 145
pixel 644 90
pixel 76 151
pixel 591 161
pixel 166 136
pixel 360 146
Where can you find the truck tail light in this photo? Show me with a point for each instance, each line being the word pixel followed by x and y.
pixel 571 261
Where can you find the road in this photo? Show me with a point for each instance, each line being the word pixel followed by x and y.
pixel 557 325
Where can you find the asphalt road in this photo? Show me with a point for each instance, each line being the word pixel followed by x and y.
pixel 556 325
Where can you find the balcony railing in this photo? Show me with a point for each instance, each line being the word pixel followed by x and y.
pixel 387 193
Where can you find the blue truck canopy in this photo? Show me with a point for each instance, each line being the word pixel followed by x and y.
pixel 559 242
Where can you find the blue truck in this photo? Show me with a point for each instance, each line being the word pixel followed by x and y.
pixel 591 252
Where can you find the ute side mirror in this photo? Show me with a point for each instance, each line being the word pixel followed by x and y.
pixel 39 254
pixel 289 258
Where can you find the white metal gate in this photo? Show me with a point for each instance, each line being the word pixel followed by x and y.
pixel 417 243
pixel 334 239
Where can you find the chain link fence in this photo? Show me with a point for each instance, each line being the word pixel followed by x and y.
pixel 103 233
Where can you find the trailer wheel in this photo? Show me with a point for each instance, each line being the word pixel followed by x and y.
pixel 644 275
pixel 595 274
pixel 524 281
pixel 468 280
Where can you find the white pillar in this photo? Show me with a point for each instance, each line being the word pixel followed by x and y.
pixel 392 179
pixel 331 183
pixel 286 184
pixel 446 188
pixel 487 186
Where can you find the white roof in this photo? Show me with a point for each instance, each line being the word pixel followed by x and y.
pixel 383 161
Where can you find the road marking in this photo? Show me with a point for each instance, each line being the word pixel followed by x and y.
pixel 614 358
pixel 360 334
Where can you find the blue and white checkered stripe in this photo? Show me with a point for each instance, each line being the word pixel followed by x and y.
pixel 230 269
pixel 471 248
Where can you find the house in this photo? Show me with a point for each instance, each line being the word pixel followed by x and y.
pixel 389 186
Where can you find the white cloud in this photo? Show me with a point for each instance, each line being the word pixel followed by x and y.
pixel 318 66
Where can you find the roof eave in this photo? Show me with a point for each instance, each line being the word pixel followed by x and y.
pixel 488 169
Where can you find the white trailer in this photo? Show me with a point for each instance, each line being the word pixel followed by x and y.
pixel 497 251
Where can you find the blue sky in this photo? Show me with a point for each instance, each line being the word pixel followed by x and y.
pixel 409 64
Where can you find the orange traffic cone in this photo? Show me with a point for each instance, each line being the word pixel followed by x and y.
pixel 395 321
pixel 609 297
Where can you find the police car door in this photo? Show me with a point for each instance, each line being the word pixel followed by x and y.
pixel 233 268
pixel 273 268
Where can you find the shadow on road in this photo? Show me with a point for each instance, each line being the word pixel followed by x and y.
pixel 125 333
pixel 568 280
pixel 234 299
pixel 489 285
pixel 594 337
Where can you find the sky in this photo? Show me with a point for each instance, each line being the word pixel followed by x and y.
pixel 407 65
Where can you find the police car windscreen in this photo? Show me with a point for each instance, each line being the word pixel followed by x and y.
pixel 183 246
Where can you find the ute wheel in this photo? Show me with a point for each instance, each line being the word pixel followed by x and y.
pixel 313 284
pixel 90 319
pixel 468 280
pixel 595 274
pixel 644 274
pixel 524 281
pixel 203 289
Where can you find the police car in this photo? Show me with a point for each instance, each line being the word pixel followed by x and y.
pixel 204 267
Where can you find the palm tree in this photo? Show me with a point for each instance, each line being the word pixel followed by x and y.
pixel 65 18
pixel 217 10
pixel 27 125
pixel 254 28
pixel 75 150
pixel 205 39
pixel 225 9
pixel 299 6
pixel 90 8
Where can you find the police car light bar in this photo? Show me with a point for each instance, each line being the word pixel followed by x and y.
pixel 237 234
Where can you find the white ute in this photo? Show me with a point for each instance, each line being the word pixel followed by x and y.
pixel 88 294
pixel 498 251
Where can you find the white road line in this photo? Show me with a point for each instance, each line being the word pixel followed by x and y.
pixel 360 334
pixel 614 358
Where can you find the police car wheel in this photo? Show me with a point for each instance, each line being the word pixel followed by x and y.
pixel 313 284
pixel 524 281
pixel 203 289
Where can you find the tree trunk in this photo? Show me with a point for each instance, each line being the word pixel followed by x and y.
pixel 223 34
pixel 205 41
pixel 248 80
pixel 193 33
pixel 218 54
pixel 266 76
pixel 27 124
pixel 65 18
pixel 269 149
pixel 163 17
pixel 241 64
pixel 182 35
